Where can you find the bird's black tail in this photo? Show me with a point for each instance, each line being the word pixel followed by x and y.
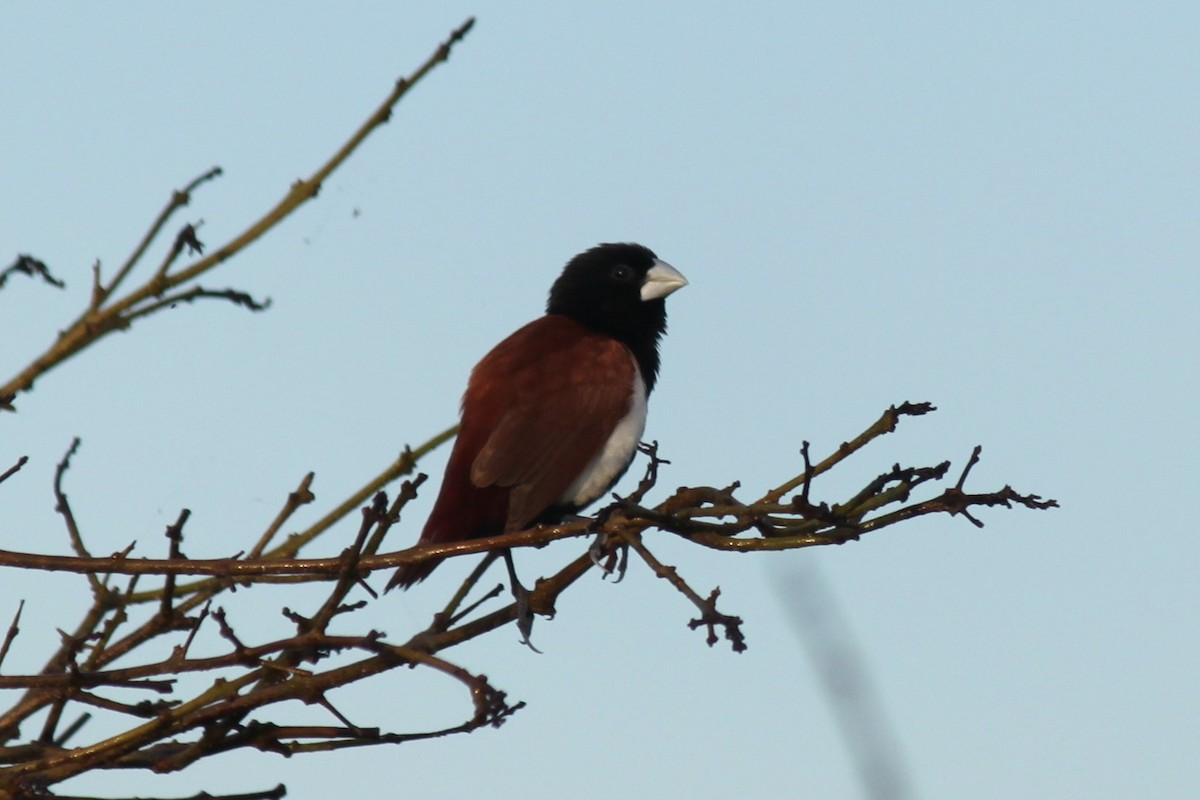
pixel 410 574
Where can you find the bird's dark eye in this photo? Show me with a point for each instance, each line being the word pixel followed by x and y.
pixel 622 273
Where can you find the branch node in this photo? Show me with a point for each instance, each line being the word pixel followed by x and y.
pixel 711 618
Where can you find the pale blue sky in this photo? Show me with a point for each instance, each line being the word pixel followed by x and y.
pixel 993 207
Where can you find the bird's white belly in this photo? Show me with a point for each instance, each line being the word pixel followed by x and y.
pixel 617 453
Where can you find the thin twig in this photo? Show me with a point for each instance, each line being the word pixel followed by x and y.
pixel 63 507
pixel 179 199
pixel 14 469
pixel 14 628
pixel 197 293
pixel 710 618
pixel 885 424
pixel 175 539
pixel 301 495
pixel 33 267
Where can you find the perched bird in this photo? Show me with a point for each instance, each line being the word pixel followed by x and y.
pixel 553 415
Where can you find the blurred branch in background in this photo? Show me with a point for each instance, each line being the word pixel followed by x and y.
pixel 870 740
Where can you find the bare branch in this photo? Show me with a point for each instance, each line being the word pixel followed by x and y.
pixel 197 293
pixel 710 618
pixel 14 628
pixel 175 539
pixel 302 495
pixel 104 314
pixel 179 199
pixel 63 507
pixel 14 469
pixel 173 732
pixel 33 267
pixel 884 425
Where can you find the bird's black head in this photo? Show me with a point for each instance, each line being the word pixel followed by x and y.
pixel 619 290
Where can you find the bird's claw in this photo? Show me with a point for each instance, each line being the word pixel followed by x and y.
pixel 524 615
pixel 609 561
pixel 596 550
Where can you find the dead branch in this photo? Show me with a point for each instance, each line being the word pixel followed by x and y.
pixel 186 725
pixel 26 264
pixel 106 312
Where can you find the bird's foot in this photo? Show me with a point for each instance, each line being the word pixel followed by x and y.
pixel 521 596
pixel 524 614
pixel 610 560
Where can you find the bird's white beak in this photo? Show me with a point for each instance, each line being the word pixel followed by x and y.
pixel 661 280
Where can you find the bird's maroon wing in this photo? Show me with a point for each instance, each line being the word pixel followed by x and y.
pixel 563 389
pixel 537 410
